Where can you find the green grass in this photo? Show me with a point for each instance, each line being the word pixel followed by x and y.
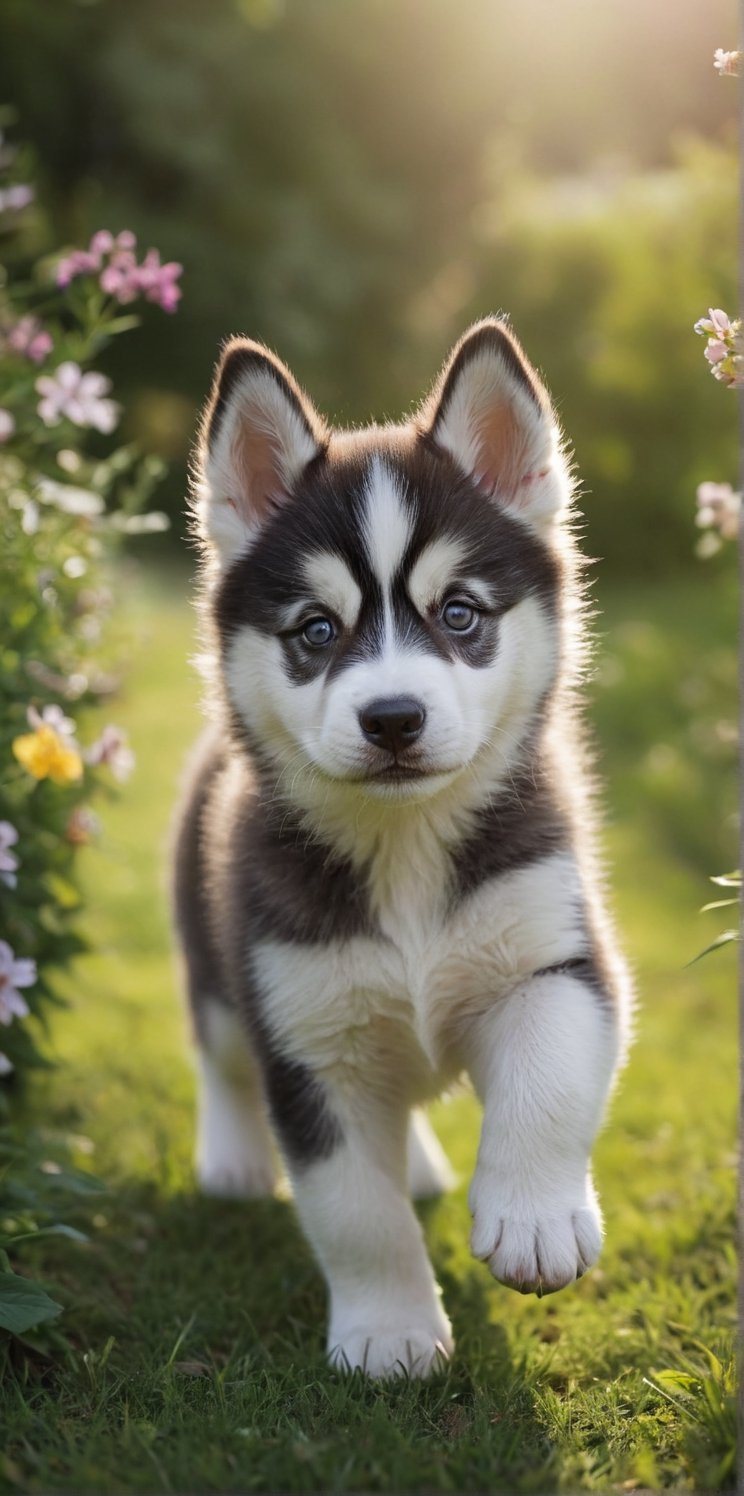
pixel 193 1357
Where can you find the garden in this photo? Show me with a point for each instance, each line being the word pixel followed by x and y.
pixel 353 185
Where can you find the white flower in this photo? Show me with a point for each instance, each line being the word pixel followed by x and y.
pixel 5 1064
pixel 726 62
pixel 54 717
pixel 113 749
pixel 14 973
pixel 7 425
pixel 69 392
pixel 8 859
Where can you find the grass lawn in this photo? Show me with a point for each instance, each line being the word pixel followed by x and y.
pixel 193 1351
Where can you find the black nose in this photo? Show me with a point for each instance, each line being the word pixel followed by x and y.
pixel 393 722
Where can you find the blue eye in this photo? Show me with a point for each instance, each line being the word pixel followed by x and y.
pixel 319 632
pixel 459 616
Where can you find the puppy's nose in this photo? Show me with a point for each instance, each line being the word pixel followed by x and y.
pixel 393 722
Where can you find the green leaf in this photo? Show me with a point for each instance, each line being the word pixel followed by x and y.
pixel 71 1232
pixel 720 940
pixel 729 880
pixel 24 1304
pixel 75 1181
pixel 678 1381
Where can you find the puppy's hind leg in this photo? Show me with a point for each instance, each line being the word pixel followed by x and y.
pixel 235 1156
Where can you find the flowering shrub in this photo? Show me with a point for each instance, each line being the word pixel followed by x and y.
pixel 718 505
pixel 64 504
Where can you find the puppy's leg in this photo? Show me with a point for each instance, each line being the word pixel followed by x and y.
pixel 542 1060
pixel 349 1183
pixel 234 1148
pixel 429 1171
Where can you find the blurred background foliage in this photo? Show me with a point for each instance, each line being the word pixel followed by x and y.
pixel 353 180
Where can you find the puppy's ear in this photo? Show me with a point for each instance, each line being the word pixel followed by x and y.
pixel 258 435
pixel 490 411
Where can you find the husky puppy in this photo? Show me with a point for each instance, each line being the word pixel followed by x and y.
pixel 384 874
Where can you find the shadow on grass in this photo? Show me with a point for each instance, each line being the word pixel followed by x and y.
pixel 217 1311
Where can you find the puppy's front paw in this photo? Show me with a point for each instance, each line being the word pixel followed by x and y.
pixel 399 1349
pixel 535 1247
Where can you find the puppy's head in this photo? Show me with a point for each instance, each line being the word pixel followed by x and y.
pixel 384 600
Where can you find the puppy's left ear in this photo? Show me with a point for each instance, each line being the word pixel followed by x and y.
pixel 493 415
pixel 259 434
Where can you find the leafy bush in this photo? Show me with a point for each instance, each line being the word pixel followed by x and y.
pixel 605 278
pixel 65 501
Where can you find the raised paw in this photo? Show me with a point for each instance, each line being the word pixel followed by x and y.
pixel 393 1349
pixel 538 1250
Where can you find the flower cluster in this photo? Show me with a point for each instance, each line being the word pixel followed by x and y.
pixel 726 63
pixel 51 751
pixel 723 350
pixel 113 260
pixel 30 339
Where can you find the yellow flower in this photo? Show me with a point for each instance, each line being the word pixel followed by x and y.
pixel 44 753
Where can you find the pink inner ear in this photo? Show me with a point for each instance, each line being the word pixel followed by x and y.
pixel 502 455
pixel 256 461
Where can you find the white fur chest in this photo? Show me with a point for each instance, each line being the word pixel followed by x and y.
pixel 390 1007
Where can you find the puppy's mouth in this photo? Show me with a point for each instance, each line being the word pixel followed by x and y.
pixel 400 772
pixel 396 773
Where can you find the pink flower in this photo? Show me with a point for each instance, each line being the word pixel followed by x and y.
pixel 120 278
pixel 719 508
pixel 30 338
pixel 158 281
pixel 723 349
pixel 113 259
pixel 14 973
pixel 729 371
pixel 726 62
pixel 69 392
pixel 104 242
pixel 8 860
pixel 717 324
pixel 7 425
pixel 113 749
pixel 80 262
pixel 88 261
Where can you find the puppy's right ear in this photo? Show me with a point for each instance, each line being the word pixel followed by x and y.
pixel 258 435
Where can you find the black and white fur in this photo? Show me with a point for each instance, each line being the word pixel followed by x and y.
pixel 374 899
